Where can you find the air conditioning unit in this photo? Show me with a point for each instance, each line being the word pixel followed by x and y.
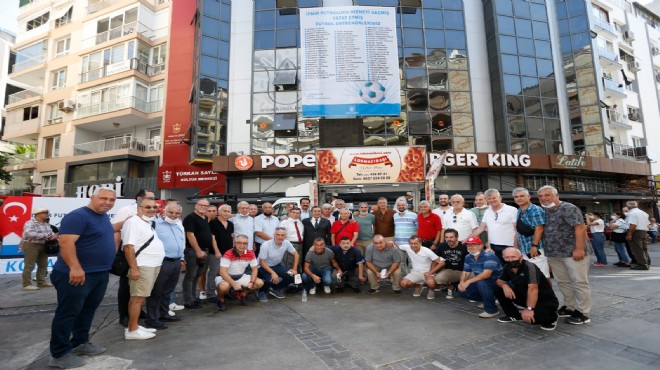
pixel 66 106
pixel 634 66
pixel 629 35
pixel 633 116
pixel 655 50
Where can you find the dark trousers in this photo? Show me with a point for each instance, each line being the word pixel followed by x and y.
pixel 630 253
pixel 191 276
pixel 545 311
pixel 123 296
pixel 76 306
pixel 158 303
pixel 498 249
pixel 640 252
pixel 281 271
pixel 349 278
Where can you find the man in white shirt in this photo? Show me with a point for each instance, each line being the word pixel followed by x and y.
pixel 459 219
pixel 445 207
pixel 144 252
pixel 243 223
pixel 424 266
pixel 638 226
pixel 295 231
pixel 500 222
pixel 264 225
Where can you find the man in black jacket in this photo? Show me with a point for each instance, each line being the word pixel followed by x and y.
pixel 315 227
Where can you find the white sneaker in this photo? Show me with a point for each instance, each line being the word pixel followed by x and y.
pixel 480 305
pixel 176 307
pixel 137 335
pixel 312 291
pixel 326 289
pixel 202 295
pixel 486 315
pixel 430 294
pixel 171 313
pixel 148 330
pixel 418 291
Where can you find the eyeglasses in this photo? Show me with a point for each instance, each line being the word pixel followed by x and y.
pixel 150 198
pixel 280 228
pixel 497 214
pixel 149 207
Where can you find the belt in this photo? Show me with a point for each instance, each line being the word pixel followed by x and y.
pixel 169 259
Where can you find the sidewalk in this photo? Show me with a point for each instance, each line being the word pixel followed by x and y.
pixel 358 331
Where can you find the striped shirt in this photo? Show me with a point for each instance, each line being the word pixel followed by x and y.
pixel 405 226
pixel 36 232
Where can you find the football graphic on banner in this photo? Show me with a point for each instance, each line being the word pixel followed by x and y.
pixel 372 92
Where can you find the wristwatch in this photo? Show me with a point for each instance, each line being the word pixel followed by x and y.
pixel 530 308
pixel 535 245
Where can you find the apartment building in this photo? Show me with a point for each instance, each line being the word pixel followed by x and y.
pixel 94 72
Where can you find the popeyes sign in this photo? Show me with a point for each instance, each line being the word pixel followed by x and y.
pixel 371 165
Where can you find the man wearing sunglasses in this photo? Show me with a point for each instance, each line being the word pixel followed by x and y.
pixel 459 219
pixel 500 222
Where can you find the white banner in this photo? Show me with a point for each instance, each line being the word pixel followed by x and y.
pixel 348 62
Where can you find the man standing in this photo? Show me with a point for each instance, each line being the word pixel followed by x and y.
pixel 199 241
pixel 381 257
pixel 530 223
pixel 339 205
pixel 243 223
pixel 365 221
pixel 480 271
pixel 144 252
pixel 36 233
pixel 564 244
pixel 524 284
pixel 304 208
pixel 405 226
pixel 479 210
pixel 223 234
pixel 351 265
pixel 344 226
pixel 271 267
pixel 253 210
pixel 452 258
pixel 294 234
pixel 171 234
pixel 319 262
pixel 638 227
pixel 429 226
pixel 500 222
pixel 444 208
pixel 315 227
pixel 264 226
pixel 326 211
pixel 460 219
pixel 384 224
pixel 80 275
pixel 424 266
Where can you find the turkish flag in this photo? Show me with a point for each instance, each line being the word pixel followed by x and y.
pixel 15 212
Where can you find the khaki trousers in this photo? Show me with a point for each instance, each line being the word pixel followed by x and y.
pixel 395 277
pixel 572 281
pixel 34 253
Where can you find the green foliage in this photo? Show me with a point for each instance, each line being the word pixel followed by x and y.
pixel 4 175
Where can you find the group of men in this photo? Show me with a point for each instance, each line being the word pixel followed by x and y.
pixel 491 252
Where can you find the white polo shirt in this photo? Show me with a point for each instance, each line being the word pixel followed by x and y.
pixel 501 224
pixel 137 232
pixel 463 222
pixel 421 262
pixel 638 218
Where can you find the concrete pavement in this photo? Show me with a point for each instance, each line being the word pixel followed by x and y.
pixel 357 331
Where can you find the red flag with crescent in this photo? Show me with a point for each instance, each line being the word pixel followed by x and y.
pixel 14 213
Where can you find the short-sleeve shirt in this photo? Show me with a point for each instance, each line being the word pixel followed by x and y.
pixel 273 254
pixel 428 227
pixel 137 233
pixel 501 225
pixel 532 216
pixel 265 224
pixel 598 226
pixel 421 261
pixel 244 225
pixel 222 235
pixel 321 261
pixel 463 222
pixel 384 222
pixel 382 259
pixel 199 226
pixel 349 260
pixel 405 226
pixel 638 218
pixel 529 273
pixel 366 223
pixel 454 258
pixel 349 230
pixel 237 265
pixel 95 247
pixel 559 233
pixel 486 261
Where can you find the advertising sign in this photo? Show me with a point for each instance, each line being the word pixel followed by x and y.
pixel 370 165
pixel 346 63
pixel 191 176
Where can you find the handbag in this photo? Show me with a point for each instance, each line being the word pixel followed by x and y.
pixel 541 262
pixel 523 228
pixel 120 265
pixel 52 247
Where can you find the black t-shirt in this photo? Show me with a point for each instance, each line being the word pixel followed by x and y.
pixel 454 257
pixel 529 273
pixel 200 227
pixel 222 235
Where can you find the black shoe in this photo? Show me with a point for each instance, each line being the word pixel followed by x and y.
pixel 549 327
pixel 578 318
pixel 639 267
pixel 221 306
pixel 212 300
pixel 507 319
pixel 193 306
pixel 397 292
pixel 374 291
pixel 123 321
pixel 155 324
pixel 169 318
pixel 357 290
pixel 564 312
pixel 340 290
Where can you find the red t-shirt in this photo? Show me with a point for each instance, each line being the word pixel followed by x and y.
pixel 428 227
pixel 349 231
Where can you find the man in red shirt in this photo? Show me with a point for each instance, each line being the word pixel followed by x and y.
pixel 344 227
pixel 429 225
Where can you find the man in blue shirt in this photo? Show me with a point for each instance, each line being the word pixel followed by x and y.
pixel 533 217
pixel 480 272
pixel 80 275
pixel 271 269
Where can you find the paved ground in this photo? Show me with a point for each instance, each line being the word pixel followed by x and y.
pixel 358 331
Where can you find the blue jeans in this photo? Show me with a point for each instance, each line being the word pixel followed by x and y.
pixel 620 248
pixel 482 290
pixel 598 242
pixel 281 271
pixel 325 274
pixel 76 306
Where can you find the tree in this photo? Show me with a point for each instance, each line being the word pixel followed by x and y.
pixel 4 175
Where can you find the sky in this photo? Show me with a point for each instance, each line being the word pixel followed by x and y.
pixel 8 15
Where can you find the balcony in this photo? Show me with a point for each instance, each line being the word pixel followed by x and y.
pixel 22 161
pixel 25 132
pixel 605 26
pixel 614 88
pixel 618 119
pixel 118 104
pixel 123 66
pixel 628 151
pixel 121 143
pixel 127 29
pixel 25 94
pixel 30 71
pixel 608 58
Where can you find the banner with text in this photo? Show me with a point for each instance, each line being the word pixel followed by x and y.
pixel 370 165
pixel 348 64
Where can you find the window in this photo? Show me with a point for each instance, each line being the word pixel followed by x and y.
pixel 637 142
pixel 58 79
pixel 48 184
pixel 52 147
pixel 54 113
pixel 64 19
pixel 62 46
pixel 30 113
pixel 37 22
pixel 116 26
pixel 158 55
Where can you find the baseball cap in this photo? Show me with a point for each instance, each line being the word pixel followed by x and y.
pixel 473 240
pixel 40 210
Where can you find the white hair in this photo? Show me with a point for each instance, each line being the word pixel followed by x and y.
pixel 490 192
pixel 519 190
pixel 548 187
pixel 243 203
pixel 98 190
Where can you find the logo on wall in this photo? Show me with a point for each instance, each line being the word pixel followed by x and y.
pixel 176 128
pixel 167 176
pixel 243 162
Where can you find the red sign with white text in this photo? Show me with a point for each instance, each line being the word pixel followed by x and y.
pixel 191 176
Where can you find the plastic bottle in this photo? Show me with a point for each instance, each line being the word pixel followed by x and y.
pixel 304 295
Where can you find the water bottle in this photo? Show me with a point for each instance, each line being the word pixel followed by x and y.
pixel 304 295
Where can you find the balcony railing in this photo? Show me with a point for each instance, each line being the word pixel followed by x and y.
pixel 614 86
pixel 16 159
pixel 14 129
pixel 120 143
pixel 96 6
pixel 609 55
pixel 36 60
pixel 118 104
pixel 114 33
pixel 628 150
pixel 25 94
pixel 617 117
pixel 603 25
pixel 123 66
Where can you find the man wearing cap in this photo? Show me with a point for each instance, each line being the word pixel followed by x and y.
pixel 36 233
pixel 480 271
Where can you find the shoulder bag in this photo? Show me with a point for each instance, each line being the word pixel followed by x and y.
pixel 522 227
pixel 120 265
